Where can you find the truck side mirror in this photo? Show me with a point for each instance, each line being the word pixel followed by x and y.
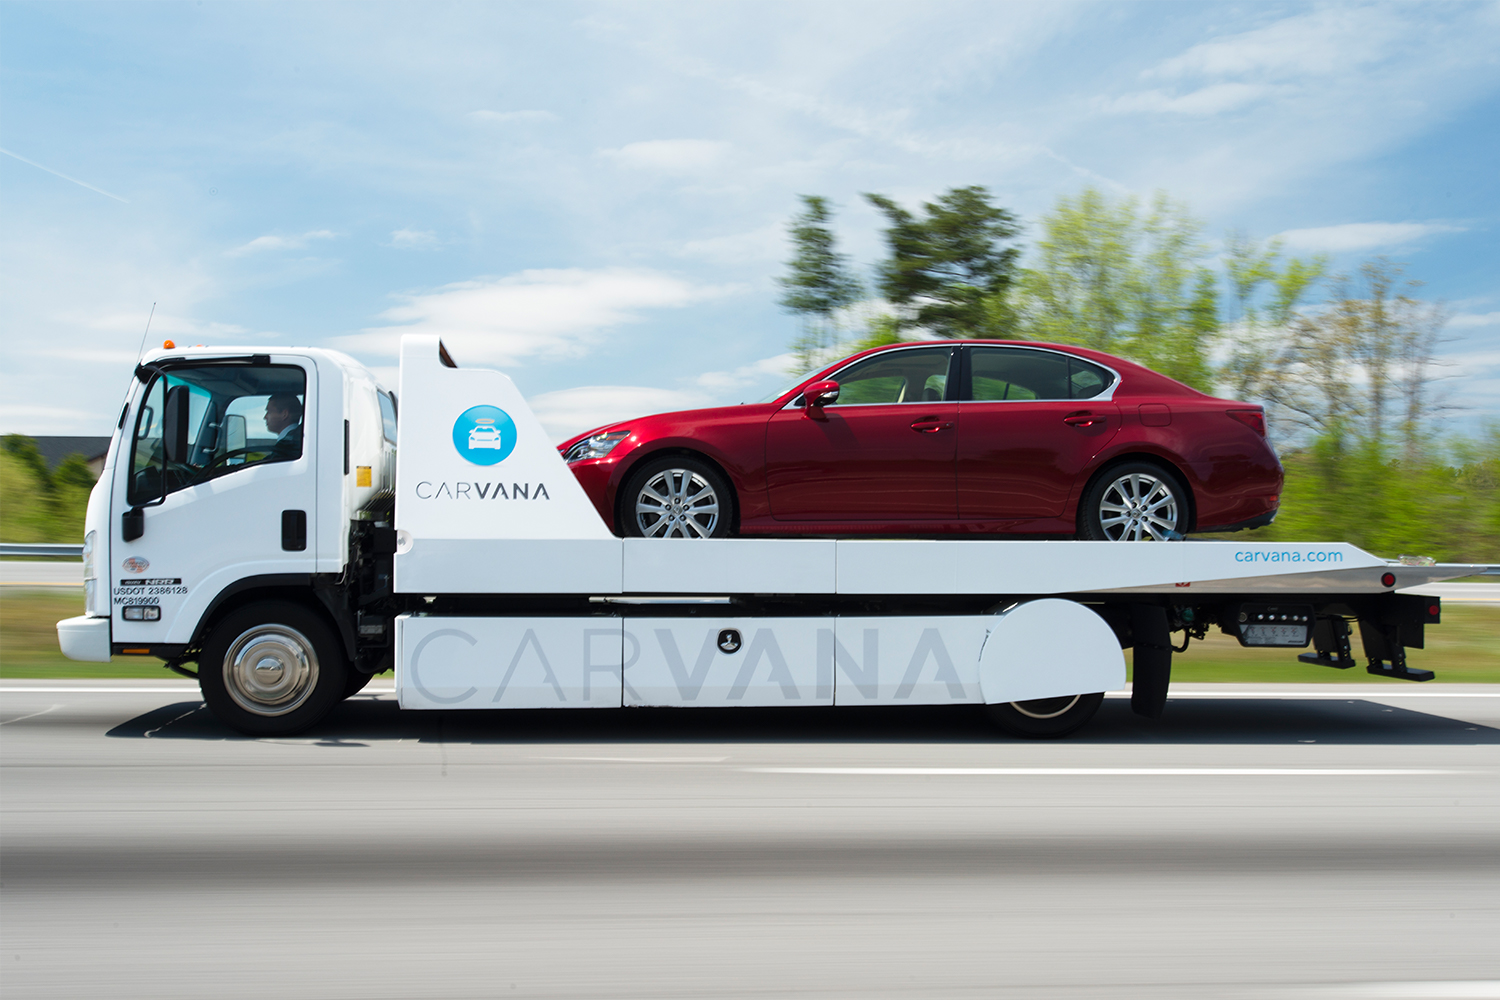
pixel 174 431
pixel 820 393
pixel 132 524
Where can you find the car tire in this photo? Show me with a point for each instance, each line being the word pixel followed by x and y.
pixel 676 496
pixel 1045 718
pixel 1134 501
pixel 272 668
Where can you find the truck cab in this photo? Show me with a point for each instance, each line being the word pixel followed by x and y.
pixel 230 473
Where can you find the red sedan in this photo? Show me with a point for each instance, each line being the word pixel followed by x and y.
pixel 956 437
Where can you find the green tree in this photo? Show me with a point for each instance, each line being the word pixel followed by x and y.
pixel 1106 276
pixel 947 270
pixel 37 505
pixel 1265 293
pixel 818 283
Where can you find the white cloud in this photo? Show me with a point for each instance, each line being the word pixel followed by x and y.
pixel 1362 235
pixel 677 156
pixel 767 243
pixel 271 242
pixel 1469 321
pixel 547 313
pixel 1211 100
pixel 1321 43
pixel 573 411
pixel 505 117
pixel 778 369
pixel 412 239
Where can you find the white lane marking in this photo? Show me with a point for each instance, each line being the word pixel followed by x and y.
pixel 33 715
pixel 1459 989
pixel 645 760
pixel 1104 771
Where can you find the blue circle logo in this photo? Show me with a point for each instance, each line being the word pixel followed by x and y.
pixel 485 435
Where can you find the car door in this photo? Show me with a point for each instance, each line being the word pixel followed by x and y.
pixel 1030 421
pixel 883 451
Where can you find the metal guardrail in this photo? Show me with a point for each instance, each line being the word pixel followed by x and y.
pixel 40 549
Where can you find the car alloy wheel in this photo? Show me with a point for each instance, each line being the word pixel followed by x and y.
pixel 677 503
pixel 1134 502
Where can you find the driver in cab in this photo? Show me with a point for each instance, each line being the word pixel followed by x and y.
pixel 284 419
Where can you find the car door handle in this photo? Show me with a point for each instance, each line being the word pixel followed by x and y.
pixel 931 425
pixel 1082 419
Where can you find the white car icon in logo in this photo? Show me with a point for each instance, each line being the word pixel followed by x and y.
pixel 486 435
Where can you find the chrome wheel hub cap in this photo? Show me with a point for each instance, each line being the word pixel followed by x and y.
pixel 677 503
pixel 270 670
pixel 1139 507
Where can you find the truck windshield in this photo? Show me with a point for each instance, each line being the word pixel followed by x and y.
pixel 238 416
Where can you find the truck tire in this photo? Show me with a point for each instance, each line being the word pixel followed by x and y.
pixel 355 682
pixel 272 668
pixel 1045 718
pixel 676 496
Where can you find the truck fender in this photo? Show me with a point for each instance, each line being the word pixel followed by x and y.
pixel 1049 648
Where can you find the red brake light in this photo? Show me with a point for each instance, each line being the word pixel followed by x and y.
pixel 1253 419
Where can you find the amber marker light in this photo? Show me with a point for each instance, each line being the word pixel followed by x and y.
pixel 167 345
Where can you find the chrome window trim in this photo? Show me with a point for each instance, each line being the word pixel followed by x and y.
pixel 1107 396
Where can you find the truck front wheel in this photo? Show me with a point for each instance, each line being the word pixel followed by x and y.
pixel 271 669
pixel 1045 718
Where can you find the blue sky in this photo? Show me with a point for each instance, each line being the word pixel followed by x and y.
pixel 593 197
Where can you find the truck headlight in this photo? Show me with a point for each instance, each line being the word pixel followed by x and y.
pixel 90 574
pixel 595 447
pixel 88 555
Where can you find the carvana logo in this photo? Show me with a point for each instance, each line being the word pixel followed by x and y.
pixel 484 435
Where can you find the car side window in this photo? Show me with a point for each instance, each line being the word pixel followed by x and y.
pixel 237 416
pixel 1018 373
pixel 919 375
pixel 1087 380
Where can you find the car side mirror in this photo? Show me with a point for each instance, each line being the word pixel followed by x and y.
pixel 174 431
pixel 821 393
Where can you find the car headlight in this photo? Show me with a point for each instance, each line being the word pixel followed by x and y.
pixel 595 447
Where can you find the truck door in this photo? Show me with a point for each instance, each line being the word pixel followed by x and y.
pixel 215 483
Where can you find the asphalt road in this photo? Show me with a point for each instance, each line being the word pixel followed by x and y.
pixel 1340 843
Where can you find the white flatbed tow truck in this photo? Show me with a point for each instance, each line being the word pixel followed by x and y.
pixel 263 514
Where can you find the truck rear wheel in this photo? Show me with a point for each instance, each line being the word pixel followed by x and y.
pixel 272 669
pixel 1045 718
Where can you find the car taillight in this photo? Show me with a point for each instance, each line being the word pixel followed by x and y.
pixel 1253 419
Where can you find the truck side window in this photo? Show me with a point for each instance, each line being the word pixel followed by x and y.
pixel 237 416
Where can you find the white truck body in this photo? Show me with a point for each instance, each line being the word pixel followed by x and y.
pixel 465 555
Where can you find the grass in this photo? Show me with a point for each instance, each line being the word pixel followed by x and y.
pixel 1464 648
pixel 28 639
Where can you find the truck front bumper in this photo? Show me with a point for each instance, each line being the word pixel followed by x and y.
pixel 84 638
